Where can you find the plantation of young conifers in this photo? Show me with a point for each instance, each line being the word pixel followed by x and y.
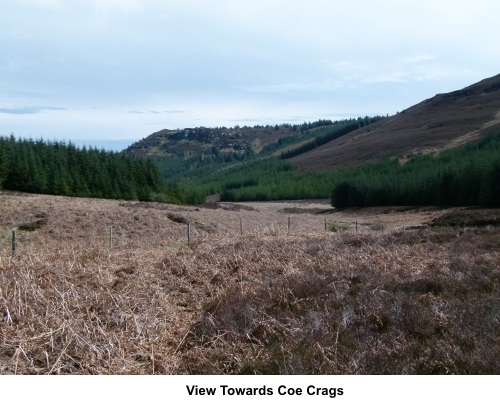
pixel 410 299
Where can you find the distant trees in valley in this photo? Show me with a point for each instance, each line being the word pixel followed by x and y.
pixel 468 175
pixel 464 176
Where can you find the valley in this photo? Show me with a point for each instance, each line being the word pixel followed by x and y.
pixel 360 246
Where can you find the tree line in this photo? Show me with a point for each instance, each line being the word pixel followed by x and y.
pixel 331 134
pixel 61 168
pixel 467 175
pixel 463 176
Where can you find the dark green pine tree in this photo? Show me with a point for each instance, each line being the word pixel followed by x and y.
pixel 4 162
pixel 490 186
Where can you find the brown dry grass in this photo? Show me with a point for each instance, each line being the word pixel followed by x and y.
pixel 305 302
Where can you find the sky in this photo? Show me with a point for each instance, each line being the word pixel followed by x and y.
pixel 108 73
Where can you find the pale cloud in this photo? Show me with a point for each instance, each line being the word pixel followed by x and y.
pixel 274 88
pixel 16 34
pixel 57 58
pixel 108 6
pixel 418 58
pixel 16 64
pixel 282 88
pixel 346 65
pixel 51 4
pixel 103 12
pixel 255 120
pixel 441 73
pixel 385 78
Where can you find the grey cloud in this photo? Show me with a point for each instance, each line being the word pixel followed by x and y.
pixel 28 110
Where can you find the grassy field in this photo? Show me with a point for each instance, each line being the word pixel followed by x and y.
pixel 273 300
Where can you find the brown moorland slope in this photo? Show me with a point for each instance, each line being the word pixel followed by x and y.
pixel 441 122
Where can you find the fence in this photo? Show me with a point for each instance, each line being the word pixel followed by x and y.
pixel 104 237
pixel 172 236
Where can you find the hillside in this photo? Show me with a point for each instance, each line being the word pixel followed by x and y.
pixel 307 169
pixel 197 140
pixel 441 122
pixel 202 154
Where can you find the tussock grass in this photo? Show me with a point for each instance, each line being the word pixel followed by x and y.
pixel 82 312
pixel 424 301
pixel 337 228
pixel 395 303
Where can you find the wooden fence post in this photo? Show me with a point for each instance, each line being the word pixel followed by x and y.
pixel 356 226
pixel 325 226
pixel 241 226
pixel 189 233
pixel 14 242
pixel 288 230
pixel 110 237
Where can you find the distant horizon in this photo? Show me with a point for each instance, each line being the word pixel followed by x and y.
pixel 118 145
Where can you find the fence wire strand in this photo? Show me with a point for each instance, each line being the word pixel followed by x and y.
pixel 156 238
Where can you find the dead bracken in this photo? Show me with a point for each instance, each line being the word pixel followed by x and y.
pixel 271 301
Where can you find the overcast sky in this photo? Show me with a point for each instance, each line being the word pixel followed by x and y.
pixel 110 72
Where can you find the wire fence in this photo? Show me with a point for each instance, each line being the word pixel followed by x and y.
pixel 111 237
pixel 108 237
